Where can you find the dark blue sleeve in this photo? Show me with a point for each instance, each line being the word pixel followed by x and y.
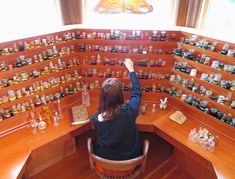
pixel 135 95
pixel 94 120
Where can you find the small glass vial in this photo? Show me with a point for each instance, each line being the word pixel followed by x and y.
pixel 38 101
pixel 143 108
pixel 153 107
pixel 233 104
pixel 208 93
pixel 33 122
pixel 85 96
pixel 58 109
pixel 11 95
pixel 56 119
pixel 41 124
pixel 193 73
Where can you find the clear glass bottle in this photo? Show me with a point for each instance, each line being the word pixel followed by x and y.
pixel 85 96
pixel 56 119
pixel 42 124
pixel 58 109
pixel 33 121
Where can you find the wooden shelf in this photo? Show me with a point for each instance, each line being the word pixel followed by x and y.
pixel 206 84
pixel 41 78
pixel 208 52
pixel 211 103
pixel 219 44
pixel 45 92
pixel 147 82
pixel 51 90
pixel 163 70
pixel 37 65
pixel 127 42
pixel 37 50
pixel 205 68
pixel 128 55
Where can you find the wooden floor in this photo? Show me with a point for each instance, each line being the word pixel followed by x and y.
pixel 76 166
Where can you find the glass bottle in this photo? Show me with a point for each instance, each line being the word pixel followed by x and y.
pixel 71 89
pixel 42 124
pixel 233 104
pixel 32 121
pixel 58 109
pixel 46 113
pixel 224 50
pixel 56 119
pixel 11 95
pixel 143 108
pixel 85 96
pixel 154 108
pixel 38 101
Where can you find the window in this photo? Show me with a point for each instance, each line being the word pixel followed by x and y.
pixel 220 17
pixel 25 18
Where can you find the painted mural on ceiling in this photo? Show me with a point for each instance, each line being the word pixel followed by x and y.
pixel 123 6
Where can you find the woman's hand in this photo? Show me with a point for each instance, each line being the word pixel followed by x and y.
pixel 129 64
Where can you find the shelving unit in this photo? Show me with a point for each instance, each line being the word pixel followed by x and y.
pixel 94 47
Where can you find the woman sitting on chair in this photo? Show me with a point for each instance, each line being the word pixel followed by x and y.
pixel 117 136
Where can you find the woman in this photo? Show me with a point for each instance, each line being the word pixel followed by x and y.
pixel 117 135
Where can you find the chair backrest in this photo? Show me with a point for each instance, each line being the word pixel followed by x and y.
pixel 117 169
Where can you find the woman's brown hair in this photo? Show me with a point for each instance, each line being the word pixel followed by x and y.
pixel 111 98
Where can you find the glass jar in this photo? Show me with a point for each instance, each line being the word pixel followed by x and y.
pixel 213 112
pixel 193 72
pixel 203 106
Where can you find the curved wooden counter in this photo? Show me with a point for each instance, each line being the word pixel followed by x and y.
pixel 16 148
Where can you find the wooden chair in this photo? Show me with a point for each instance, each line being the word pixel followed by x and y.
pixel 117 169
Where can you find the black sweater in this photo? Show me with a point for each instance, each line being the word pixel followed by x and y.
pixel 117 138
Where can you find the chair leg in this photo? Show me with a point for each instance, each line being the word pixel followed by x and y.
pixel 89 147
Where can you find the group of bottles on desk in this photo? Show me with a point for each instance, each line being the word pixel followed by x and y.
pixel 46 116
pixel 202 136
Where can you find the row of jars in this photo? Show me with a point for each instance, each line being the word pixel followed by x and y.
pixel 108 73
pixel 62 92
pixel 132 35
pixel 46 70
pixel 39 42
pixel 38 87
pixel 37 101
pixel 204 44
pixel 196 87
pixel 211 78
pixel 203 106
pixel 125 86
pixel 112 35
pixel 121 49
pixel 216 79
pixel 45 55
pixel 96 60
pixel 204 59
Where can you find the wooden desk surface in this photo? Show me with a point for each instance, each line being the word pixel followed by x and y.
pixel 223 157
pixel 16 147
